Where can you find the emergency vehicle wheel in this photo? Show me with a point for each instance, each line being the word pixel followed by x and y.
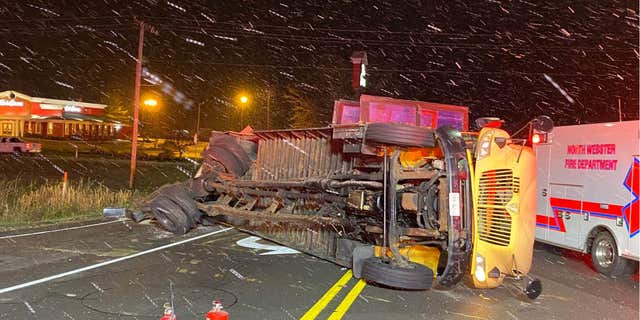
pixel 385 272
pixel 604 254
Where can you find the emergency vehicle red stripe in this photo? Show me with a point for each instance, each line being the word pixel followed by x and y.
pixel 552 222
pixel 592 207
pixel 555 222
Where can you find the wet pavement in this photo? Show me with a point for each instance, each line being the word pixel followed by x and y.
pixel 253 284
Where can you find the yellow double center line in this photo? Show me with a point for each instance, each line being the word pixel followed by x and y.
pixel 344 306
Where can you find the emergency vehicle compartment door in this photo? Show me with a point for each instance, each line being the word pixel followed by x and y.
pixel 543 211
pixel 566 205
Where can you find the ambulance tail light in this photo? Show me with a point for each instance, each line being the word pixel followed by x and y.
pixel 539 137
pixel 536 138
pixel 539 130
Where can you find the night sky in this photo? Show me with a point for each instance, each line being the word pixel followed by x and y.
pixel 571 60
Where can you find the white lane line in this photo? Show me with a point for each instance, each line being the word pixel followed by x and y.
pixel 58 230
pixel 105 263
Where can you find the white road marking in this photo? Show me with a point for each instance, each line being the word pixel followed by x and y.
pixel 251 242
pixel 106 263
pixel 31 309
pixel 58 230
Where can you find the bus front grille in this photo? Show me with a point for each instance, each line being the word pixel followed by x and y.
pixel 495 190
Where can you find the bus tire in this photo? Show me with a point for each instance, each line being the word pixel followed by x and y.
pixel 169 215
pixel 387 273
pixel 180 195
pixel 400 135
pixel 604 254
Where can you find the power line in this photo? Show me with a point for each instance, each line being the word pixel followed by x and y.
pixel 324 40
pixel 201 22
pixel 309 67
pixel 311 28
pixel 395 43
pixel 198 23
pixel 202 28
pixel 62 19
pixel 78 29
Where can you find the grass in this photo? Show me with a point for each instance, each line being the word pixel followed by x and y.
pixel 21 204
pixel 31 186
pixel 110 172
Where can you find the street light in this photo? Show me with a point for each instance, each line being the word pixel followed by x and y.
pixel 244 99
pixel 150 102
pixel 150 112
pixel 195 135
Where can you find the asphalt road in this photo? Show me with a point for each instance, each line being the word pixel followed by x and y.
pixel 252 285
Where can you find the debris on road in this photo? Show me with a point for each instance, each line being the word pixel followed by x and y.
pixel 237 274
pixel 115 212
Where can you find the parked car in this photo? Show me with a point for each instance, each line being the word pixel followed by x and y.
pixel 15 144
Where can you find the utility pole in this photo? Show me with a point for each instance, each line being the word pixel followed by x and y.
pixel 195 140
pixel 136 108
pixel 195 136
pixel 268 102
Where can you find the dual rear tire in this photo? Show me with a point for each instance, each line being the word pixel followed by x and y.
pixel 175 209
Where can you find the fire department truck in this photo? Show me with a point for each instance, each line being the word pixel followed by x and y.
pixel 588 190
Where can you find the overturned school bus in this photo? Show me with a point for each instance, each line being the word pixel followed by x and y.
pixel 396 189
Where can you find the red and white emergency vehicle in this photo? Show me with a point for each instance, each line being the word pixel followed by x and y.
pixel 588 187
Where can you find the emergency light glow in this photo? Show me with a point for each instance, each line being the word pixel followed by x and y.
pixel 536 138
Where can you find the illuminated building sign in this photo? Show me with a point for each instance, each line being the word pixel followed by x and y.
pixel 363 76
pixel 358 75
pixel 69 108
pixel 11 103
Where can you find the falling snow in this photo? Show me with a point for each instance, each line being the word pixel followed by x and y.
pixel 173 5
pixel 557 86
pixel 497 58
pixel 196 42
pixel 64 84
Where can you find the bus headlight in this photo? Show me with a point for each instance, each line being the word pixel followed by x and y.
pixel 479 272
pixel 484 145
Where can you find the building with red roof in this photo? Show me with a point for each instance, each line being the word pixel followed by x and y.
pixel 21 115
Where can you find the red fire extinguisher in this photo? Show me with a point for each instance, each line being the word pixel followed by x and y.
pixel 216 312
pixel 168 313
